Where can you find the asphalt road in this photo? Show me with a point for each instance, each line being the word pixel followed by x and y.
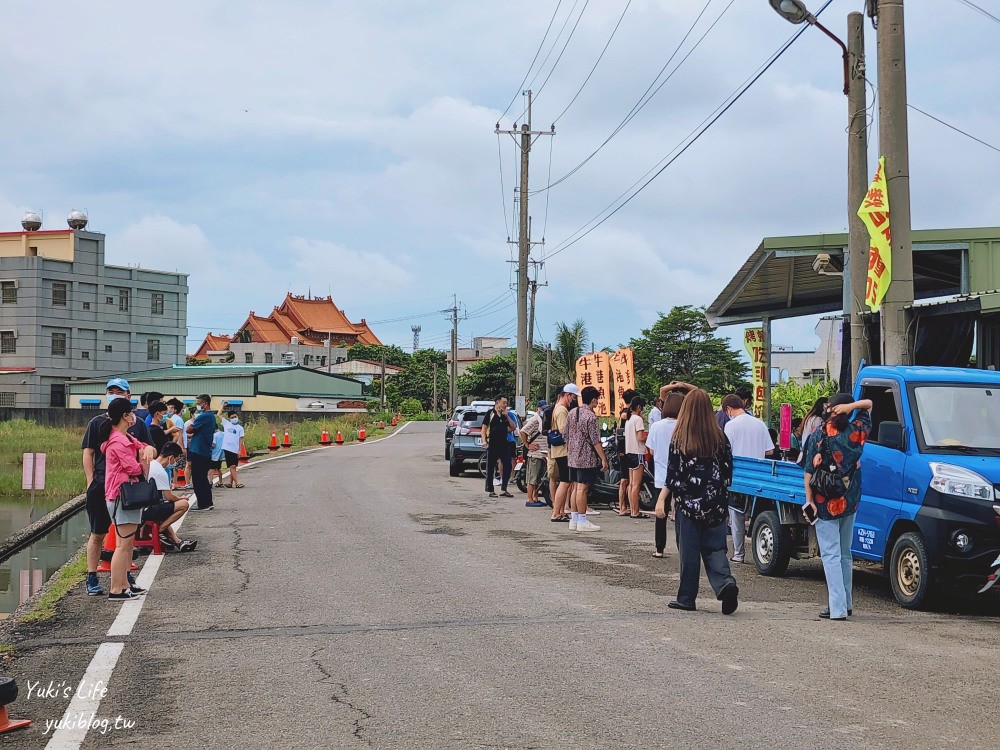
pixel 360 597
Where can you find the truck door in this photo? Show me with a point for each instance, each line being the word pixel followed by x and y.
pixel 882 471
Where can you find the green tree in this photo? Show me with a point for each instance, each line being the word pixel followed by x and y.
pixel 416 381
pixel 801 396
pixel 571 342
pixel 682 346
pixel 393 354
pixel 489 378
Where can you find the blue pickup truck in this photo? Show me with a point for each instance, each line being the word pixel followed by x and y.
pixel 930 502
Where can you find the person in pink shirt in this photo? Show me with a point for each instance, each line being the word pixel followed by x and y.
pixel 125 461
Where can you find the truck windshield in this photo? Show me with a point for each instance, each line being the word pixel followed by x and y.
pixel 959 417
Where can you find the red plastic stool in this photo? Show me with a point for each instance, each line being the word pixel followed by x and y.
pixel 149 536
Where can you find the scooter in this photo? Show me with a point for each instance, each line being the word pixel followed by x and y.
pixel 992 578
pixel 606 488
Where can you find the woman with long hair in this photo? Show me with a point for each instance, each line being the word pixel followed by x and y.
pixel 813 419
pixel 124 462
pixel 635 453
pixel 620 449
pixel 699 471
pixel 835 451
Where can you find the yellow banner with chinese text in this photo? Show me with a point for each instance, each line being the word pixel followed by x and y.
pixel 874 212
pixel 592 370
pixel 753 341
pixel 623 372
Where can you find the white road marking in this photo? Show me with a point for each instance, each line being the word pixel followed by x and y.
pixel 81 714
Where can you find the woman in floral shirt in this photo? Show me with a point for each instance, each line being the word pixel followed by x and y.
pixel 699 471
pixel 838 441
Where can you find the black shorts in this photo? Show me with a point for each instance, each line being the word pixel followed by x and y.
pixel 586 476
pixel 215 465
pixel 631 461
pixel 232 459
pixel 559 468
pixel 157 513
pixel 97 509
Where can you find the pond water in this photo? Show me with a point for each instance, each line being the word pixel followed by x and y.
pixel 24 573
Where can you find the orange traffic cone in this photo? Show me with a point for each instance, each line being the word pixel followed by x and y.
pixel 181 478
pixel 110 541
pixel 324 438
pixel 394 423
pixel 287 442
pixel 244 458
pixel 361 435
pixel 381 425
pixel 340 438
pixel 274 442
pixel 8 692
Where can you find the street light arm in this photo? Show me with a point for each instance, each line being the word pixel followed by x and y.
pixel 847 64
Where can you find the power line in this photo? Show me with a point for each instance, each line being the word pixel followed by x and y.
pixel 545 223
pixel 599 58
pixel 561 52
pixel 650 92
pixel 579 234
pixel 552 48
pixel 537 52
pixel 976 8
pixel 503 190
pixel 956 129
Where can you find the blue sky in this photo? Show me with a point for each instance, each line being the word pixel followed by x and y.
pixel 348 148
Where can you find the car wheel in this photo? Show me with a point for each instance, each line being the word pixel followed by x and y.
pixel 455 468
pixel 909 571
pixel 482 466
pixel 770 545
pixel 447 451
pixel 647 497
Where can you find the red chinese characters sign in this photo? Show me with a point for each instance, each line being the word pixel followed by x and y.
pixel 753 342
pixel 593 370
pixel 874 212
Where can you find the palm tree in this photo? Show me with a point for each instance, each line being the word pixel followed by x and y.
pixel 571 342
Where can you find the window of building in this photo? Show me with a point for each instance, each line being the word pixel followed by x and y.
pixel 305 360
pixel 8 399
pixel 123 295
pixel 109 300
pixel 157 303
pixel 8 342
pixel 268 358
pixel 107 349
pixel 58 344
pixel 84 355
pixel 153 350
pixel 58 294
pixel 249 357
pixel 86 305
pixel 90 403
pixel 57 395
pixel 8 292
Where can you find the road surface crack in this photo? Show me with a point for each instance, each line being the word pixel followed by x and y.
pixel 341 696
pixel 238 566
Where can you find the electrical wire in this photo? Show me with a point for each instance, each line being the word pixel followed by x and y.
pixel 976 8
pixel 503 190
pixel 650 92
pixel 561 52
pixel 678 150
pixel 957 130
pixel 537 52
pixel 552 48
pixel 545 222
pixel 598 62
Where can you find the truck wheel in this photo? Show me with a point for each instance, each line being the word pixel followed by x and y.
pixel 770 544
pixel 455 468
pixel 647 498
pixel 909 571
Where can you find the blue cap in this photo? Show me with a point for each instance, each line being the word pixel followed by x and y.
pixel 542 403
pixel 118 383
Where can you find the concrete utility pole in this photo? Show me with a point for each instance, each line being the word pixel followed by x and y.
pixel 523 253
pixel 548 371
pixel 533 284
pixel 434 398
pixel 453 380
pixel 894 146
pixel 856 271
pixel 383 378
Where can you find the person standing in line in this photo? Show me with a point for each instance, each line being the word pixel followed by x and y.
pixel 635 454
pixel 497 425
pixel 232 442
pixel 585 456
pixel 836 448
pixel 142 412
pixel 94 469
pixel 658 441
pixel 151 398
pixel 746 396
pixel 699 471
pixel 215 470
pixel 656 413
pixel 200 433
pixel 749 437
pixel 174 419
pixel 538 452
pixel 559 484
pixel 157 410
pixel 623 475
pixel 126 460
pixel 814 419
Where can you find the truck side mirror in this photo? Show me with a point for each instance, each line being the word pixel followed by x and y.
pixel 890 435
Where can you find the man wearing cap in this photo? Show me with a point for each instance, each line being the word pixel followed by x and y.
pixel 559 485
pixel 93 468
pixel 538 453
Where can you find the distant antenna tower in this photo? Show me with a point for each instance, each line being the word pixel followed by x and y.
pixel 416 337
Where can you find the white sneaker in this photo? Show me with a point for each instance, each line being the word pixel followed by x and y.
pixel 593 512
pixel 572 525
pixel 586 525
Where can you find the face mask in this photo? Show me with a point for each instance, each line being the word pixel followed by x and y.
pixel 199 407
pixel 234 420
pixel 113 396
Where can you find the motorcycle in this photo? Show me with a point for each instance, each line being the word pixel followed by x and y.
pixel 518 473
pixel 992 578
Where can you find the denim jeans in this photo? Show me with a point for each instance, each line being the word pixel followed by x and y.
pixel 834 539
pixel 698 543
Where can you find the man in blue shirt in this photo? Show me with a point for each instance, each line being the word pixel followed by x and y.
pixel 200 435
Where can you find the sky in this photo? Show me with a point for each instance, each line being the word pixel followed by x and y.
pixel 348 149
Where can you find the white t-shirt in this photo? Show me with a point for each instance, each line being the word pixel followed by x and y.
pixel 177 421
pixel 748 436
pixel 633 444
pixel 233 435
pixel 654 416
pixel 658 441
pixel 159 476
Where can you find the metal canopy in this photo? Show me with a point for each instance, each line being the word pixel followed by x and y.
pixel 778 280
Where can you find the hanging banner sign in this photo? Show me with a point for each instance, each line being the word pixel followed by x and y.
pixel 592 370
pixel 623 372
pixel 874 212
pixel 753 341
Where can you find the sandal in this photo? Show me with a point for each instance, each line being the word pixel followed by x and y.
pixel 238 486
pixel 229 485
pixel 621 512
pixel 641 515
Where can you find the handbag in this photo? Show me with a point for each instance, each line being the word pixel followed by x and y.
pixel 827 479
pixel 138 495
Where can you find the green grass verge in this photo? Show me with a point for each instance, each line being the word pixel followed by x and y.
pixel 70 575
pixel 63 466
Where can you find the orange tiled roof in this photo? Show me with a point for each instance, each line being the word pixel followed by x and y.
pixel 366 335
pixel 319 315
pixel 214 343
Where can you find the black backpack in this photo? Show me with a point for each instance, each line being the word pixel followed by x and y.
pixel 827 478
